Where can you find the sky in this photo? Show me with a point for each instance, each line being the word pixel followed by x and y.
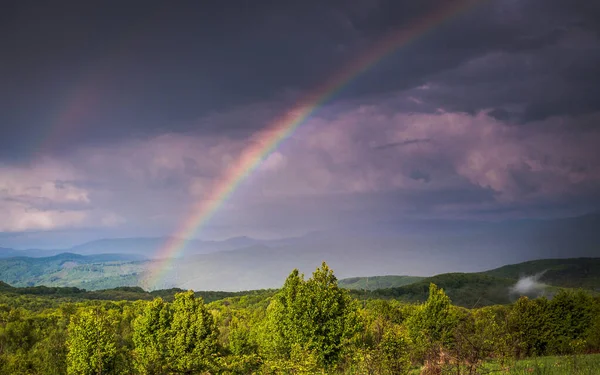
pixel 116 118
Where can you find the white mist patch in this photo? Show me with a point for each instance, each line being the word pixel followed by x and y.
pixel 529 285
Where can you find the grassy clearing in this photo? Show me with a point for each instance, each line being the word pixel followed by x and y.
pixel 555 365
pixel 564 365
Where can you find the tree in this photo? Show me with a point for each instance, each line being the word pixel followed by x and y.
pixel 432 325
pixel 50 353
pixel 192 342
pixel 570 316
pixel 91 343
pixel 480 335
pixel 150 334
pixel 239 338
pixel 314 315
pixel 178 337
pixel 529 322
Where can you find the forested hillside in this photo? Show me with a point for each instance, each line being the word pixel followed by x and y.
pixel 465 289
pixel 378 282
pixel 309 326
pixel 110 271
pixel 568 273
pixel 73 270
pixel 484 288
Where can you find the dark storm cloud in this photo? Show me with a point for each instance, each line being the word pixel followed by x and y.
pixel 328 172
pixel 81 71
pixel 527 85
pixel 118 117
pixel 402 143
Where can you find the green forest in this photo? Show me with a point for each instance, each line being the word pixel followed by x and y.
pixel 308 326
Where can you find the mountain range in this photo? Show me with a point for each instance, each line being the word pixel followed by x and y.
pixel 412 248
pixel 497 286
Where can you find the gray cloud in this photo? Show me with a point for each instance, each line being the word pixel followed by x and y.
pixel 120 129
pixel 332 171
pixel 401 143
pixel 158 68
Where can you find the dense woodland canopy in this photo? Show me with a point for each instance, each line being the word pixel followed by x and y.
pixel 309 326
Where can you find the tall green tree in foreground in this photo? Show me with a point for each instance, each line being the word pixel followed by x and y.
pixel 178 337
pixel 91 343
pixel 150 334
pixel 313 315
pixel 432 324
pixel 192 344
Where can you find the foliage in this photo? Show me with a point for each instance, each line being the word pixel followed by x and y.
pixel 73 270
pixel 465 289
pixel 91 342
pixel 192 338
pixel 150 332
pixel 313 315
pixel 105 273
pixel 177 337
pixel 432 325
pixel 568 273
pixel 555 365
pixel 378 282
pixel 308 327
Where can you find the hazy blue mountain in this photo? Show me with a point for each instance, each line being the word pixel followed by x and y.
pixel 150 247
pixel 7 252
pixel 142 246
pixel 424 248
pixel 67 269
pixel 415 248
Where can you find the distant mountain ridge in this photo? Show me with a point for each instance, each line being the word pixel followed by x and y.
pixel 146 247
pixel 496 286
pixel 417 248
pixel 73 270
pixel 568 273
pixel 537 238
pixel 378 282
pixel 464 289
pixel 121 273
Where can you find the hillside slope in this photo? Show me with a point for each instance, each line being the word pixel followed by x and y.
pixel 465 289
pixel 73 270
pixel 567 273
pixel 378 282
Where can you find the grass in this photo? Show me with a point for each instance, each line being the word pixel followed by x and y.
pixel 554 365
pixel 564 365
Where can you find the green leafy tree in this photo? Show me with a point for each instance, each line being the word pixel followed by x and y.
pixel 239 338
pixel 178 337
pixel 314 315
pixel 150 335
pixel 384 346
pixel 91 343
pixel 529 322
pixel 50 353
pixel 432 325
pixel 192 342
pixel 570 315
pixel 479 335
pixel 393 351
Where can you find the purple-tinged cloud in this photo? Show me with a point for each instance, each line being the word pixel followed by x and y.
pixel 353 161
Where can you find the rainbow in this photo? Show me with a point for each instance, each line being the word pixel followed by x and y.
pixel 281 128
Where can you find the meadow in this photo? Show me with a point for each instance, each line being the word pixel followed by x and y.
pixel 584 364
